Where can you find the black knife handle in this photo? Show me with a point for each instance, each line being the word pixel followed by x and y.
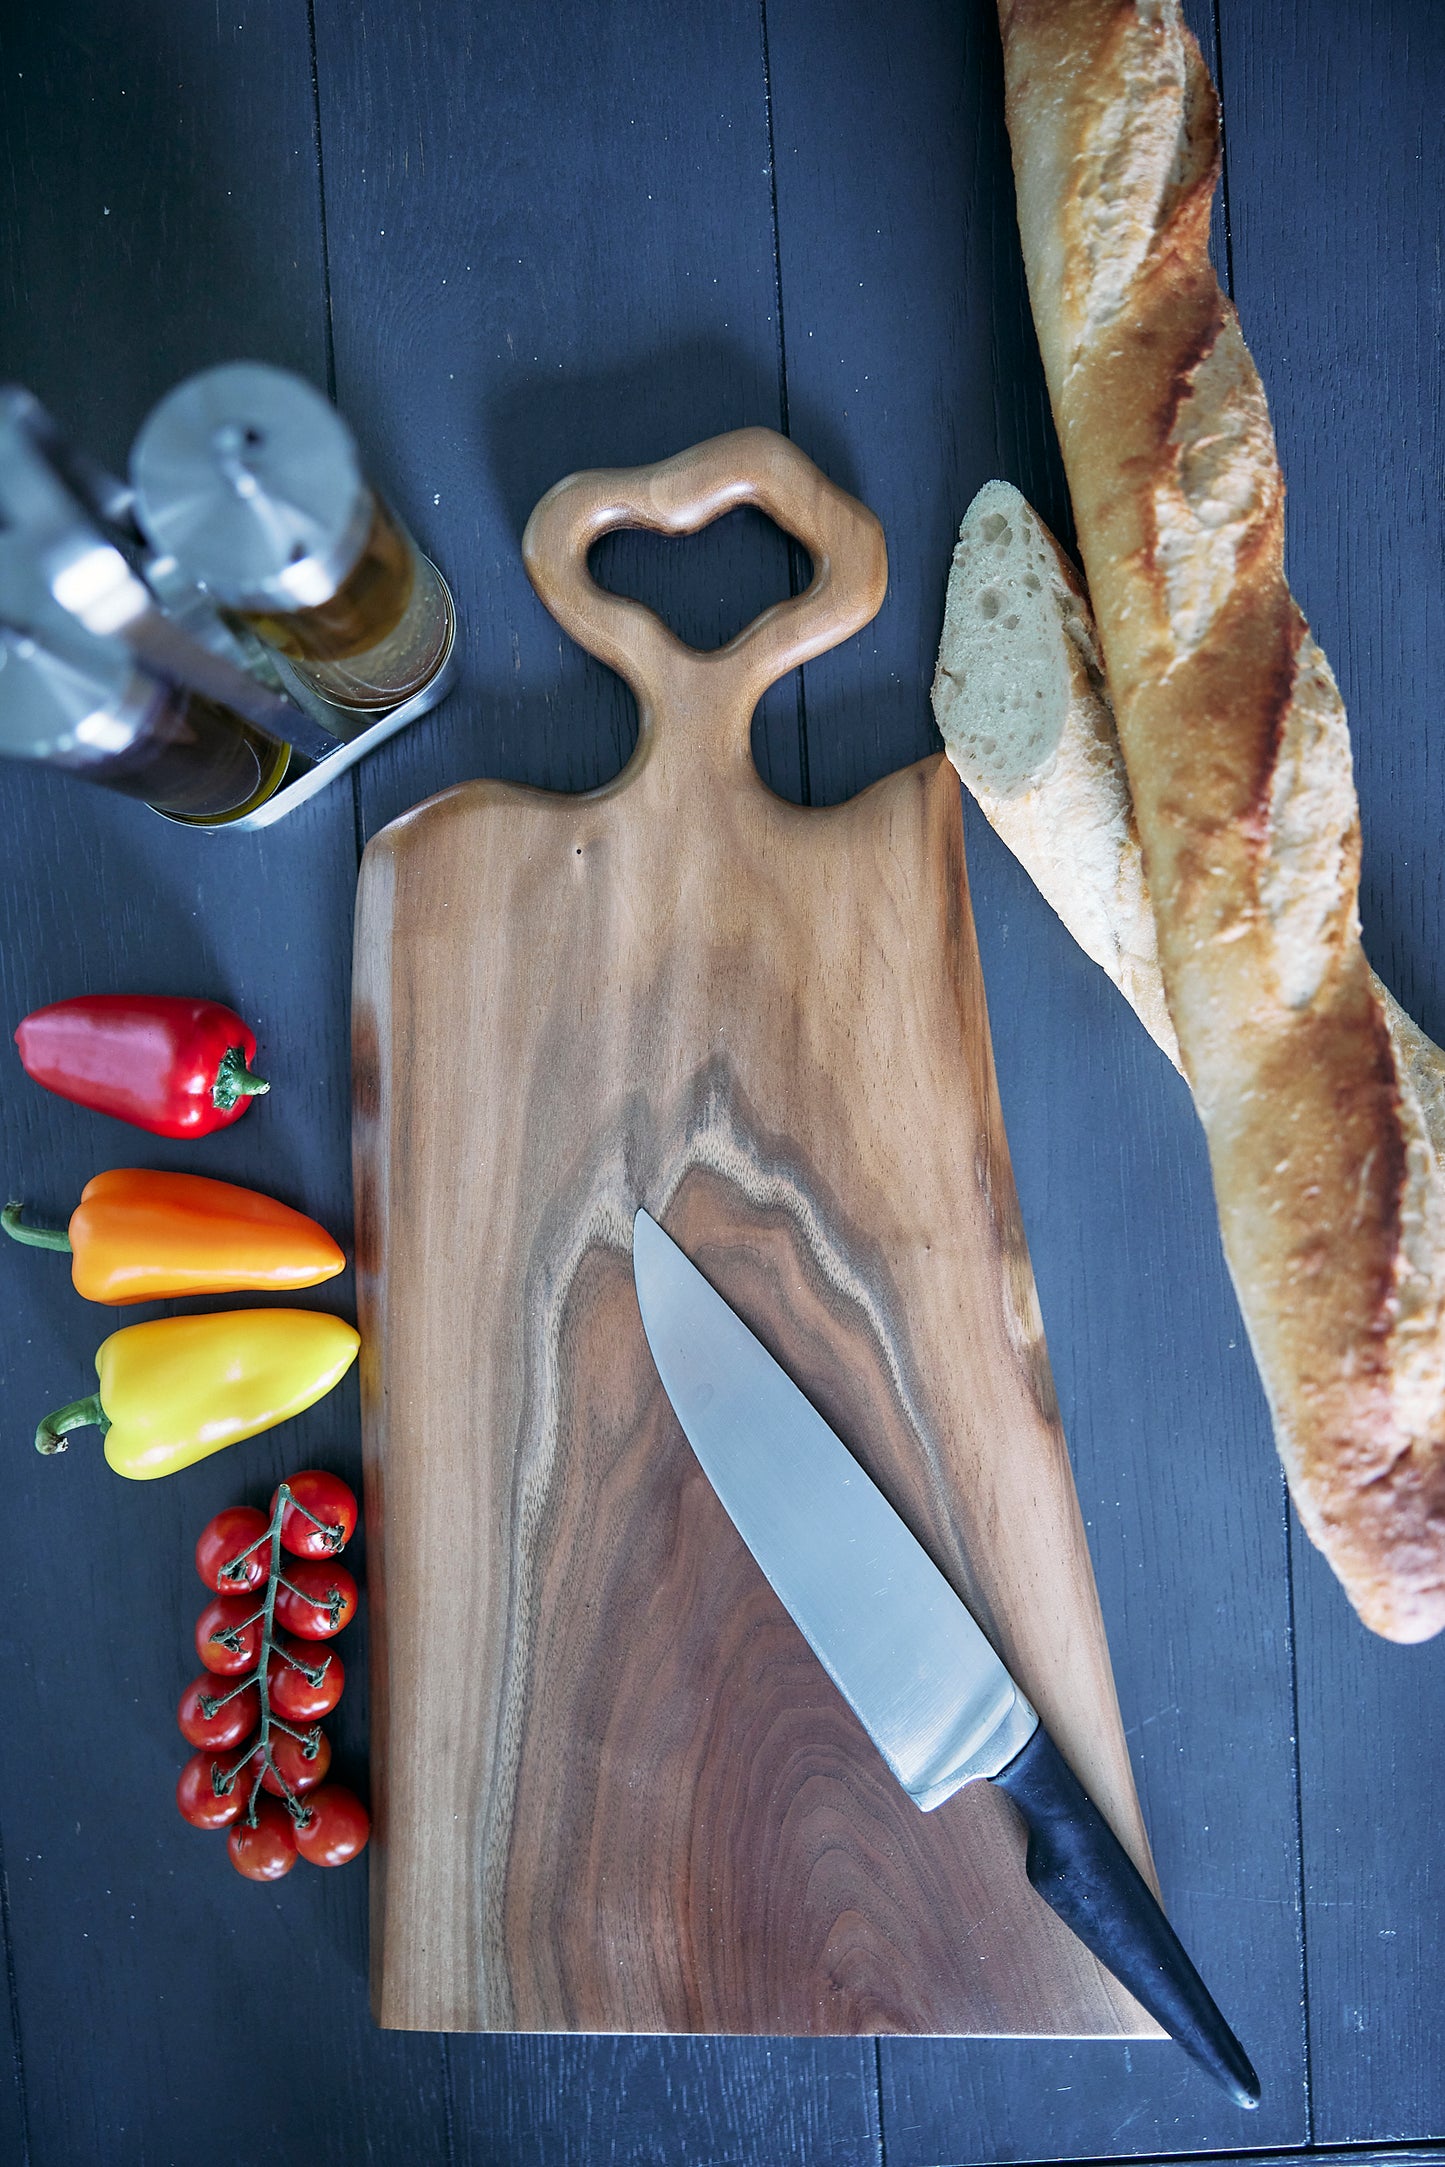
pixel 1083 1872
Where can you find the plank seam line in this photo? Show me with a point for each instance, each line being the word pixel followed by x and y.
pixel 1361 2152
pixel 1291 1641
pixel 12 1989
pixel 358 815
pixel 448 2103
pixel 796 582
pixel 878 2086
pixel 1292 1644
pixel 328 332
pixel 1223 152
pixel 329 328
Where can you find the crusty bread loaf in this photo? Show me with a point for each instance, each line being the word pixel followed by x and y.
pixel 1024 709
pixel 1020 699
pixel 1237 756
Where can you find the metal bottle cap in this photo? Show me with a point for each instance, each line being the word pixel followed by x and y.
pixel 70 699
pixel 250 479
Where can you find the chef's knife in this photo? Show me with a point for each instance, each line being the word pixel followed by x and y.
pixel 897 1642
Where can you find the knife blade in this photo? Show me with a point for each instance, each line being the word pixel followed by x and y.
pixel 897 1641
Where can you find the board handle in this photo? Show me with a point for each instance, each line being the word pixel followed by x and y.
pixel 678 496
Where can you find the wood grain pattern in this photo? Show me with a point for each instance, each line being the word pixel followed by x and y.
pixel 549 252
pixel 614 1790
pixel 909 294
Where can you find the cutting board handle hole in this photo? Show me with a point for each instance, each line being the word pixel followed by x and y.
pixel 706 587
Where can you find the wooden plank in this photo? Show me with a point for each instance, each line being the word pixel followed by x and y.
pixel 765 1023
pixel 14 2104
pixel 1316 2156
pixel 162 199
pixel 164 215
pixel 1335 151
pixel 602 202
pixel 537 2102
pixel 561 242
pixel 904 320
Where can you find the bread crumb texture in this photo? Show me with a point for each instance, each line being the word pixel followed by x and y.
pixel 1001 694
pixel 1019 698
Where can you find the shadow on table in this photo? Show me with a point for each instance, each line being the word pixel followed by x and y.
pixel 532 707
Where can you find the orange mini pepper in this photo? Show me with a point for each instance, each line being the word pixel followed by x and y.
pixel 144 1237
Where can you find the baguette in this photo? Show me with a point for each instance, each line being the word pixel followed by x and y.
pixel 1236 754
pixel 1023 707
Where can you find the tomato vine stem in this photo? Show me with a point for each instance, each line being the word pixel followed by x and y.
pixel 224 1779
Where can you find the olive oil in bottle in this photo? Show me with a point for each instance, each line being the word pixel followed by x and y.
pixel 82 704
pixel 250 480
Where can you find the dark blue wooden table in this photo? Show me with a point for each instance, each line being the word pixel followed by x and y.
pixel 518 240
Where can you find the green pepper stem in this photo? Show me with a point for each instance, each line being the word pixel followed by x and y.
pixel 50 1436
pixel 34 1237
pixel 235 1081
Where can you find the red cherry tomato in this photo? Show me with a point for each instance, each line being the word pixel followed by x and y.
pixel 197 1797
pixel 293 1696
pixel 294 1767
pixel 328 1499
pixel 221 1542
pixel 333 1828
pixel 229 1614
pixel 267 1851
pixel 229 1725
pixel 319 1599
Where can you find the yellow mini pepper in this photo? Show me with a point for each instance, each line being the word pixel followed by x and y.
pixel 176 1389
pixel 139 1236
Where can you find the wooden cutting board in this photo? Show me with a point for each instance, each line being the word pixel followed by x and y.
pixel 614 1791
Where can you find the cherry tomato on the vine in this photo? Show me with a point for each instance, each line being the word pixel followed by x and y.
pixel 278 1804
pixel 235 1616
pixel 318 1600
pixel 293 1697
pixel 197 1797
pixel 267 1851
pixel 221 1542
pixel 328 1499
pixel 293 1766
pixel 229 1725
pixel 333 1828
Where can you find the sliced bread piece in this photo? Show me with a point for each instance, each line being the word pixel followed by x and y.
pixel 1020 699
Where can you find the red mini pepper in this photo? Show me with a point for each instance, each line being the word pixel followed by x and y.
pixel 174 1066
